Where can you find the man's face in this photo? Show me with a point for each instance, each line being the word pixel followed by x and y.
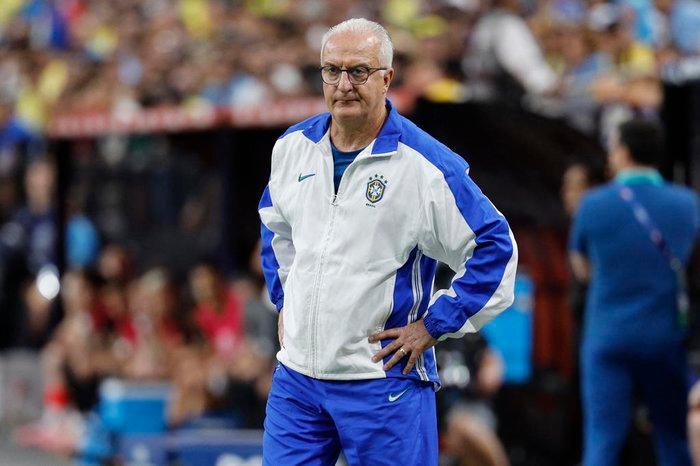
pixel 352 102
pixel 574 186
pixel 39 183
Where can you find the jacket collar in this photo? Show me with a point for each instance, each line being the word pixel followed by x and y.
pixel 387 140
pixel 639 176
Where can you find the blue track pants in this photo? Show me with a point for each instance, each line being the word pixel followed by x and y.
pixel 375 422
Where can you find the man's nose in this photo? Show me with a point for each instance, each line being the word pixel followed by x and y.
pixel 344 84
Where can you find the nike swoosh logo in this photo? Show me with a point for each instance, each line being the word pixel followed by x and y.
pixel 302 178
pixel 395 397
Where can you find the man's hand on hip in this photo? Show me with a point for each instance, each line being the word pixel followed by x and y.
pixel 410 341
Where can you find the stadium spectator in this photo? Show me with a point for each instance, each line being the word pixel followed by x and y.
pixel 578 179
pixel 77 357
pixel 74 362
pixel 27 249
pixel 677 23
pixel 505 59
pixel 631 87
pixel 190 399
pixel 217 313
pixel 115 264
pixel 119 323
pixel 471 374
pixel 631 239
pixel 260 313
pixel 153 303
pixel 582 65
pixel 224 378
pixel 31 234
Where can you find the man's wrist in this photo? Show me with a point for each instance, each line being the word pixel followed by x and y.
pixel 431 327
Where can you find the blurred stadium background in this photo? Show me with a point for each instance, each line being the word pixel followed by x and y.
pixel 135 138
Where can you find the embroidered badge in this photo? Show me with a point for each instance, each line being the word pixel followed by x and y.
pixel 375 188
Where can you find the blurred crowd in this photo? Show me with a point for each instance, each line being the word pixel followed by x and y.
pixel 589 61
pixel 202 334
pixel 212 339
pixel 124 306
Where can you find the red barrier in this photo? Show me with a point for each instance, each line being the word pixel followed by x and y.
pixel 160 119
pixel 171 119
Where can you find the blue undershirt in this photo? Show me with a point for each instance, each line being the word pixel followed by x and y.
pixel 341 160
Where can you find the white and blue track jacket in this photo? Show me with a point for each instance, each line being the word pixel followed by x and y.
pixel 346 265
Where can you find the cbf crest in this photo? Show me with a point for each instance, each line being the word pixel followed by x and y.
pixel 375 188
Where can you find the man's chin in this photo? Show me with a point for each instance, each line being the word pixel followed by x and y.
pixel 347 110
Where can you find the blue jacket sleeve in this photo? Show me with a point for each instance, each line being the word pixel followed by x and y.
pixel 277 250
pixel 463 229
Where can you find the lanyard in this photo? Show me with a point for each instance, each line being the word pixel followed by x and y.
pixel 642 216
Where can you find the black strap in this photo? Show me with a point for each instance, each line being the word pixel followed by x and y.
pixel 642 216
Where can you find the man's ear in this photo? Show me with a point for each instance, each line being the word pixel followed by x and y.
pixel 388 76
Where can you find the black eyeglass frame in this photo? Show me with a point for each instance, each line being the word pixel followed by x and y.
pixel 369 69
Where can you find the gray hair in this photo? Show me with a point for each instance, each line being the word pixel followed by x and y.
pixel 364 26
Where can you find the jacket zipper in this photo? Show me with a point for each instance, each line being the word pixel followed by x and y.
pixel 318 279
pixel 317 291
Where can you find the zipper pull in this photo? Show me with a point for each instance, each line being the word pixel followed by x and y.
pixel 334 199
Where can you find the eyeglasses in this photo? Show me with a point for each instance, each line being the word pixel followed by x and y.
pixel 356 74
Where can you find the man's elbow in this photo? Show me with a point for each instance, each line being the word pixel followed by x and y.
pixel 579 267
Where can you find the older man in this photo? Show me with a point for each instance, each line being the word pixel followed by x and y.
pixel 360 205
